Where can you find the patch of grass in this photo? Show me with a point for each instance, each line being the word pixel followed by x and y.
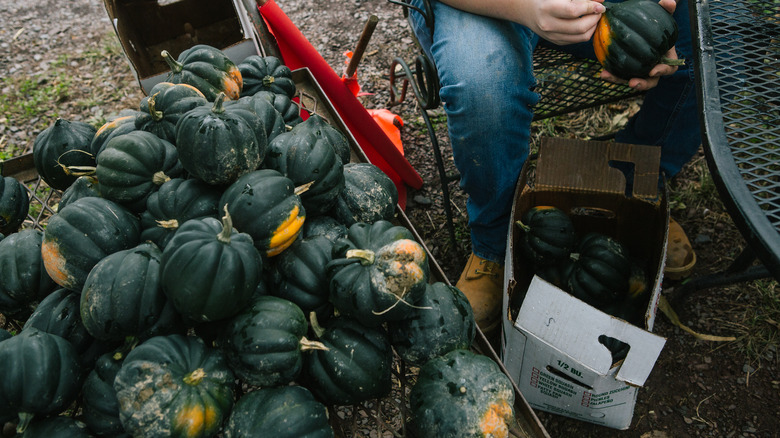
pixel 31 103
pixel 760 329
pixel 34 101
pixel 697 191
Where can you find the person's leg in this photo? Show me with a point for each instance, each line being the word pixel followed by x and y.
pixel 669 116
pixel 486 75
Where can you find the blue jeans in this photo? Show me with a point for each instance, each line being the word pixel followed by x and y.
pixel 486 75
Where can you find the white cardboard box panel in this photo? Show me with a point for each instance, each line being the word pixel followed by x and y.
pixel 607 402
pixel 556 318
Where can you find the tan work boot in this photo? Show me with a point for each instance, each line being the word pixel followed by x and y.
pixel 482 281
pixel 680 256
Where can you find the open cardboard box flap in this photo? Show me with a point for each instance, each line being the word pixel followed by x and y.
pixel 585 166
pixel 146 27
pixel 556 318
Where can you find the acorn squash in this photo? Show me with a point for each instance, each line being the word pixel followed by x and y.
pixel 206 68
pixel 633 36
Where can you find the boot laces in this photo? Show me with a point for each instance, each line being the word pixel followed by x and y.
pixel 491 268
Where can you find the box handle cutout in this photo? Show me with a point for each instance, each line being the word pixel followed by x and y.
pixel 616 347
pixel 628 169
pixel 567 377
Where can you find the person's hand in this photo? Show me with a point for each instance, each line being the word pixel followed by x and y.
pixel 563 21
pixel 644 84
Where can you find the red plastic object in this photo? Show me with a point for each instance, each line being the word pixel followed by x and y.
pixel 297 52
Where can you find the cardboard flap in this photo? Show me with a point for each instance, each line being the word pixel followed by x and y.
pixel 585 166
pixel 574 327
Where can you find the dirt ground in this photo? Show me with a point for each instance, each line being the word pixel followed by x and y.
pixel 697 388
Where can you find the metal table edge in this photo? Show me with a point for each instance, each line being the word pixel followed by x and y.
pixel 749 218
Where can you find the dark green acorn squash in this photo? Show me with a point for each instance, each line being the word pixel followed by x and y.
pixel 100 408
pixel 81 234
pixel 319 128
pixel 548 235
pixel 377 286
pixel 355 367
pixel 298 274
pixel 60 426
pixel 14 204
pixel 283 412
pixel 326 226
pixel 308 158
pixel 368 195
pixel 41 375
pixel 122 297
pixel 273 121
pixel 461 394
pixel 134 165
pixel 62 151
pixel 265 344
pixel 442 321
pixel 176 202
pixel 119 125
pixel 290 111
pixel 266 73
pixel 58 314
pixel 600 274
pixel 370 236
pixel 217 143
pixel 84 187
pixel 164 106
pixel 266 205
pixel 206 68
pixel 633 36
pixel 209 270
pixel 24 278
pixel 174 387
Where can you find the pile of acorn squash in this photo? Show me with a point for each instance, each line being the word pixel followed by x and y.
pixel 216 239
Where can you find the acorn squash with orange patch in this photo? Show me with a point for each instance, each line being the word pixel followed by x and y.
pixel 462 394
pixel 174 386
pixel 206 68
pixel 266 205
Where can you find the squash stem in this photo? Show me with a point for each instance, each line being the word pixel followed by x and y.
pixel 127 346
pixel 174 65
pixel 268 80
pixel 168 224
pixel 218 108
pixel 315 324
pixel 77 170
pixel 307 345
pixel 24 420
pixel 303 188
pixel 366 256
pixel 227 227
pixel 194 377
pixel 524 227
pixel 159 178
pixel 670 61
pixel 156 115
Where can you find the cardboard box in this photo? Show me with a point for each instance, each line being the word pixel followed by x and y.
pixel 550 340
pixel 147 27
